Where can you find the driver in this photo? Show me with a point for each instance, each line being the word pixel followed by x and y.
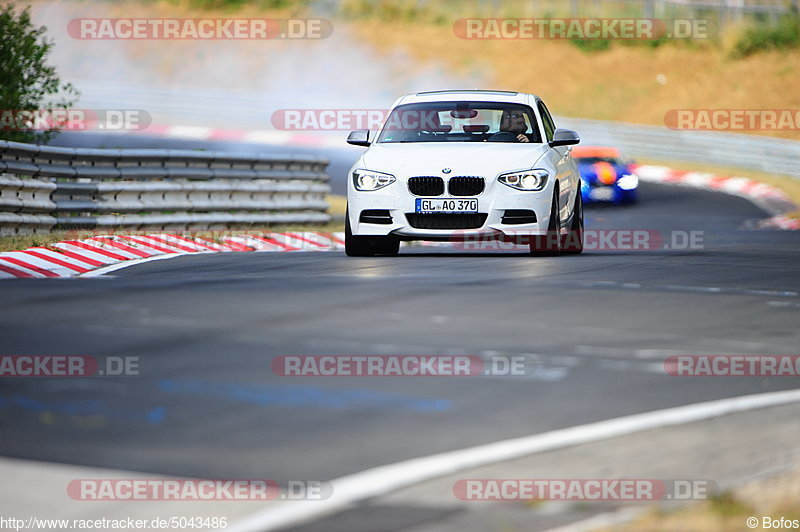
pixel 513 121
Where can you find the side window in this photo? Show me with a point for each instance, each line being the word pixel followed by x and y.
pixel 547 121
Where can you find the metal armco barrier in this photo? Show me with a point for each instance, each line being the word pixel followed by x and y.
pixel 766 154
pixel 44 188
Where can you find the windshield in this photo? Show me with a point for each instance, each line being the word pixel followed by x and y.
pixel 461 122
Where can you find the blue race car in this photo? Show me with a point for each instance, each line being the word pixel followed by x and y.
pixel 606 175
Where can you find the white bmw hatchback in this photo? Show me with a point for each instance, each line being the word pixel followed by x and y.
pixel 462 165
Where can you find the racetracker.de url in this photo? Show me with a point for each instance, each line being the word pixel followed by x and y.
pixel 104 523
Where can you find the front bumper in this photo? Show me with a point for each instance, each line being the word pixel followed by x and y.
pixel 608 194
pixel 494 201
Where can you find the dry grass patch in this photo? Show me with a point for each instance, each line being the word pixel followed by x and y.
pixel 624 83
pixel 774 497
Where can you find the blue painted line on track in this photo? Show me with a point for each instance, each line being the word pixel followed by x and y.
pixel 302 396
pixel 153 416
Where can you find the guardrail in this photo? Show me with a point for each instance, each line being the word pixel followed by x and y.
pixel 766 154
pixel 43 188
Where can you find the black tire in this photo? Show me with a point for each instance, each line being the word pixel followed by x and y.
pixel 385 245
pixel 573 240
pixel 549 245
pixel 368 246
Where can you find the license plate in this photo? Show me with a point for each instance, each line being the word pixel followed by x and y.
pixel 447 205
pixel 602 194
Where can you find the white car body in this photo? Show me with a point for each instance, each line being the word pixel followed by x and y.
pixel 450 159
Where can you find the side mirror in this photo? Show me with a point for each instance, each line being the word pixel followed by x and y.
pixel 565 137
pixel 359 137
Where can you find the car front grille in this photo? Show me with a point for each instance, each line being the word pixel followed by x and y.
pixel 426 186
pixel 466 185
pixel 446 220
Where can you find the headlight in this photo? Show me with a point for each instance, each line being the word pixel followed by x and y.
pixel 628 182
pixel 367 180
pixel 527 180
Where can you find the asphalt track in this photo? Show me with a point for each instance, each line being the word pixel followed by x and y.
pixel 207 326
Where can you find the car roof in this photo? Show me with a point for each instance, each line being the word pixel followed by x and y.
pixel 595 151
pixel 468 95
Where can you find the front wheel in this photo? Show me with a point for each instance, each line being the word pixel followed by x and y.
pixel 549 245
pixel 368 246
pixel 573 240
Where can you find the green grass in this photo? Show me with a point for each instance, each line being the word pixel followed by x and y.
pixel 234 5
pixel 765 37
pixel 591 45
pixel 726 505
pixel 16 242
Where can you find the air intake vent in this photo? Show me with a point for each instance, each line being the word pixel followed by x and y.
pixel 519 216
pixel 442 220
pixel 375 216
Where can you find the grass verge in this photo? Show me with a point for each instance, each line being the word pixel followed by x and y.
pixel 337 208
pixel 775 497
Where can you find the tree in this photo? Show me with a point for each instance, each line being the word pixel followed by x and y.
pixel 27 82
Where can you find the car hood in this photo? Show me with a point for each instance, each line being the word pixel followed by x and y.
pixel 486 159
